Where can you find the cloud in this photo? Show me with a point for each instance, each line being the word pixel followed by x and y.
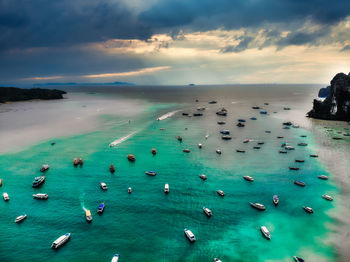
pixel 142 71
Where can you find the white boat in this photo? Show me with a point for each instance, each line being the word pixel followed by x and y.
pixel 20 218
pixel 323 177
pixel 129 190
pixel 200 145
pixel 166 188
pixel 249 178
pixel 217 260
pixel 245 140
pixel 60 241
pixel 218 151
pixel 308 209
pixel 88 216
pixel 220 193
pixel 203 177
pixel 40 196
pixel 103 186
pixel 6 196
pixel 258 206
pixel 44 168
pixel 207 211
pixel 265 232
pixel 327 197
pixel 206 136
pixel 115 258
pixel 191 237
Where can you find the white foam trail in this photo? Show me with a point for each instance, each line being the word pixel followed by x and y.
pixel 169 114
pixel 121 140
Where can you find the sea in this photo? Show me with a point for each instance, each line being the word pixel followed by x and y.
pixel 148 225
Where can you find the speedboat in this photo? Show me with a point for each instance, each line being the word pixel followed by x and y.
pixel 327 197
pixel 225 132
pixel 256 107
pixel 112 168
pixel 166 188
pixel 283 152
pixel 288 147
pixel 240 151
pixel 190 235
pixel 263 112
pixel 245 140
pixel 200 108
pixel 186 150
pixel 103 186
pixel 256 147
pixel 38 181
pixel 303 136
pixel 240 124
pixel 5 196
pixel 308 209
pixel 154 151
pixel 253 118
pixel 44 168
pixel 226 137
pixel 241 120
pixel 203 177
pixel 299 183
pixel 88 216
pixel 287 123
pixel 313 155
pixel 60 241
pixel 222 112
pixel 258 206
pixel 131 158
pixel 261 143
pixel 279 137
pixel 75 161
pixel 20 218
pixel 115 258
pixel 265 232
pixel 302 144
pixel 249 178
pixel 200 145
pixel 101 208
pixel 218 151
pixel 217 260
pixel 197 114
pixel 323 177
pixel 220 193
pixel 41 196
pixel 185 114
pixel 221 123
pixel 299 160
pixel 206 136
pixel 129 190
pixel 293 168
pixel 298 259
pixel 207 211
pixel 151 173
pixel 275 200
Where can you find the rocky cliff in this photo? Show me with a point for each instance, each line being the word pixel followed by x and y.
pixel 336 106
pixel 11 94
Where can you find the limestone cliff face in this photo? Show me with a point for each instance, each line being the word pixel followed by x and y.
pixel 336 106
pixel 11 94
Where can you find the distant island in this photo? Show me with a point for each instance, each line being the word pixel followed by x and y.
pixel 336 105
pixel 12 94
pixel 84 84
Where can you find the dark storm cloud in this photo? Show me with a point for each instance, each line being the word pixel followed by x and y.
pixel 243 45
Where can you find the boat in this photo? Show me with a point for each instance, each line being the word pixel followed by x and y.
pixel 60 241
pixel 217 260
pixel 200 108
pixel 162 128
pixel 266 104
pixel 103 186
pixel 261 143
pixel 220 193
pixel 265 232
pixel 314 156
pixel 256 147
pixel 185 114
pixel 221 123
pixel 0 182
pixel 303 136
pixel 75 161
pixel 293 168
pixel 40 196
pixel 302 144
pixel 111 168
pixel 200 145
pixel 191 237
pixel 38 181
pixel 203 177
pixel 88 216
pixel 222 112
pixel 327 197
pixel 241 120
pixel 287 123
pixel 166 188
pixel 53 143
pixel 286 127
pixel 240 151
pixel 299 160
pixel 179 138
pixel 323 177
pixel 253 118
pixel 115 258
pixel 131 158
pixel 279 137
pixel 5 196
pixel 212 102
pixel 275 200
pixel 101 208
pixel 337 138
pixel 226 137
pixel 207 211
pixel 245 140
pixel 283 152
pixel 263 112
pixel 299 183
pixel 206 136
pixel 295 126
pixel 240 124
pixel 286 108
pixel 129 190
pixel 44 168
pixel 197 114
pixel 258 206
pixel 267 131
pixel 218 151
pixel 249 178
pixel 308 210
pixel 288 147
pixel 154 151
pixel 298 259
pixel 186 150
pixel 225 132
pixel 151 173
pixel 20 218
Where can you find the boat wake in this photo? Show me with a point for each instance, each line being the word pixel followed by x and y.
pixel 121 140
pixel 167 115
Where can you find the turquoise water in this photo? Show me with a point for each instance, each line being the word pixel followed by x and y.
pixel 147 225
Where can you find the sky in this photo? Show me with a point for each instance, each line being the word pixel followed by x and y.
pixel 173 42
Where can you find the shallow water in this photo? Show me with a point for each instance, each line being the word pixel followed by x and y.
pixel 147 224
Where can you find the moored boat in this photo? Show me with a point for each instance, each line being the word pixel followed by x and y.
pixel 327 197
pixel 222 112
pixel 283 152
pixel 263 112
pixel 256 147
pixel 75 161
pixel 129 190
pixel 131 158
pixel 217 260
pixel 293 168
pixel 302 144
pixel 151 173
pixel 101 208
pixel 5 196
pixel 299 160
pixel 203 177
pixel 88 215
pixel 241 120
pixel 154 151
pixel 261 143
pixel 220 193
pixel 115 258
pixel 44 168
pixel 60 241
pixel 103 186
pixel 226 137
pixel 218 151
pixel 313 155
pixel 253 118
pixel 249 178
pixel 298 259
pixel 258 206
pixel 38 181
pixel 186 150
pixel 246 140
pixel 275 200
pixel 299 183
pixel 200 145
pixel 225 132
pixel 221 123
pixel 207 211
pixel 166 188
pixel 19 219
pixel 323 177
pixel 240 151
pixel 308 210
pixel 0 182
pixel 240 124
pixel 40 196
pixel 111 168
pixel 191 237
pixel 265 232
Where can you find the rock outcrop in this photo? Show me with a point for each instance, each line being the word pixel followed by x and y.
pixel 12 94
pixel 336 106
